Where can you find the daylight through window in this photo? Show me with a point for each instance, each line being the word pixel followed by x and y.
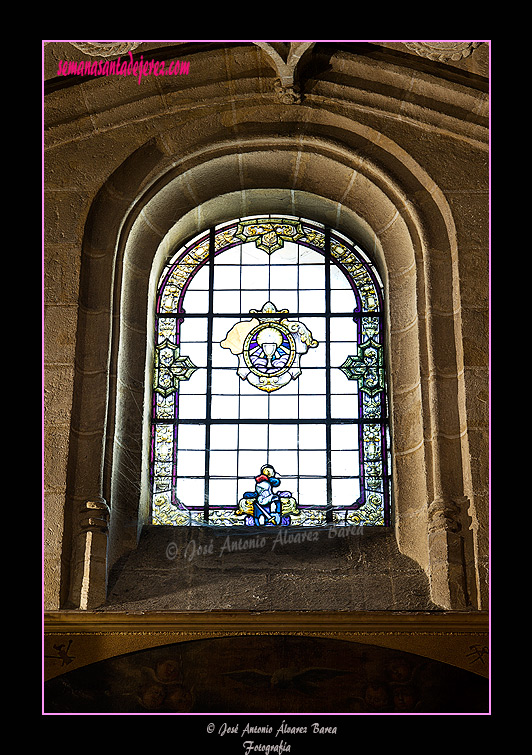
pixel 269 390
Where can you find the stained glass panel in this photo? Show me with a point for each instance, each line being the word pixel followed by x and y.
pixel 269 388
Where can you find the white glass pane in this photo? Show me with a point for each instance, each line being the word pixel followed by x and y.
pixel 344 437
pixel 312 463
pixel 226 277
pixel 285 465
pixel 193 329
pixel 250 463
pixel 253 256
pixel 342 301
pixel 287 255
pixel 340 352
pixel 245 485
pixel 200 280
pixel 343 329
pixel 222 463
pixel 283 407
pixel 316 325
pixel 196 383
pixel 196 352
pixel 283 436
pixel 344 463
pixel 252 436
pixel 226 301
pixel 312 492
pixel 290 389
pixel 345 492
pixel 255 299
pixel 312 436
pixel 253 276
pixel 224 407
pixel 196 302
pixel 224 436
pixel 312 381
pixel 224 381
pixel 283 276
pixel 312 301
pixel 340 383
pixel 312 277
pixel 314 357
pixel 223 357
pixel 190 492
pixel 312 407
pixel 222 493
pixel 252 407
pixel 191 407
pixel 309 256
pixel 284 300
pixel 190 463
pixel 338 279
pixel 229 257
pixel 344 407
pixel 191 436
pixel 247 389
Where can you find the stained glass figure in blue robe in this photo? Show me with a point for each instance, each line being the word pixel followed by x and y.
pixel 265 506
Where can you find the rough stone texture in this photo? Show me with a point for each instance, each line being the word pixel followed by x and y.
pixel 339 569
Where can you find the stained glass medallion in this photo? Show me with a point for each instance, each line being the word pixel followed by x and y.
pixel 268 363
pixel 269 349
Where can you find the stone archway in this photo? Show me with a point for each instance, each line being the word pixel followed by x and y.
pixel 364 186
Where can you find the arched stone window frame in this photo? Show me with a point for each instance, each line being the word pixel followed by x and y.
pixel 371 190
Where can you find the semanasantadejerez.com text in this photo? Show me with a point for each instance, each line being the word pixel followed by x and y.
pixel 119 67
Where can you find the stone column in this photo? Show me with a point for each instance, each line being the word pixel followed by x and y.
pixel 447 553
pixel 94 521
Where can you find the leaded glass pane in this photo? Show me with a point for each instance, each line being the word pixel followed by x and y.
pixel 269 392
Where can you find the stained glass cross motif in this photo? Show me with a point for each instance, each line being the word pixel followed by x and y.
pixel 170 368
pixel 367 368
pixel 269 235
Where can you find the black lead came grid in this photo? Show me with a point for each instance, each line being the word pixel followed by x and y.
pixel 326 421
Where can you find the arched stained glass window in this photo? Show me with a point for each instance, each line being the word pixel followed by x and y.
pixel 269 393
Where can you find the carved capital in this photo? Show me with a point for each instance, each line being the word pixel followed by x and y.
pixel 95 516
pixel 288 95
pixel 444 515
pixel 286 60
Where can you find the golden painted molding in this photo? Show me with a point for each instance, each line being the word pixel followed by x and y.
pixel 73 639
pixel 105 49
pixel 443 52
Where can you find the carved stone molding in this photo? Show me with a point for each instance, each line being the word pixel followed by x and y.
pixel 75 639
pixel 105 49
pixel 286 63
pixel 443 51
